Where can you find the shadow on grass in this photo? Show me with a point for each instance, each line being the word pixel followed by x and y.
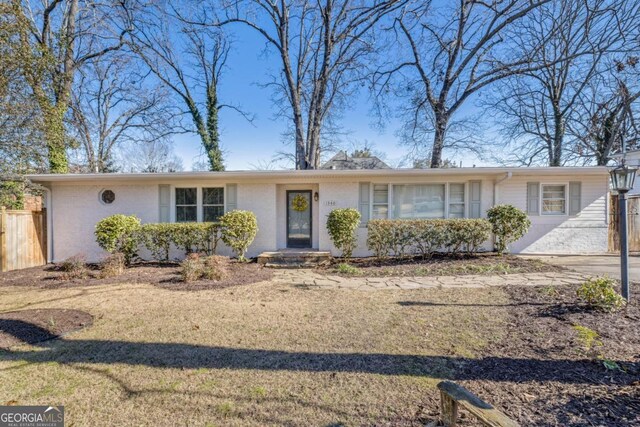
pixel 192 356
pixel 441 304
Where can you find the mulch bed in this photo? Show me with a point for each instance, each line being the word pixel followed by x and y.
pixel 442 265
pixel 33 326
pixel 543 375
pixel 164 275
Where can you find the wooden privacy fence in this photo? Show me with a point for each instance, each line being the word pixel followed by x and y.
pixel 23 239
pixel 633 223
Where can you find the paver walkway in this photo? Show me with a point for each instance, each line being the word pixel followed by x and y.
pixel 313 279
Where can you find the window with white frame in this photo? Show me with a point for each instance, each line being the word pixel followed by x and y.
pixel 419 201
pixel 554 199
pixel 456 200
pixel 186 204
pixel 212 204
pixel 380 207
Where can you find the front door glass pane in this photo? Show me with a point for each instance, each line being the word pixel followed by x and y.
pixel 299 219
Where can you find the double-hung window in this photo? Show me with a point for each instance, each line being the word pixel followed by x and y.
pixel 380 208
pixel 456 200
pixel 554 199
pixel 186 204
pixel 419 201
pixel 212 204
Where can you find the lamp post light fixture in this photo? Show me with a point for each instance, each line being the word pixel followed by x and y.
pixel 622 179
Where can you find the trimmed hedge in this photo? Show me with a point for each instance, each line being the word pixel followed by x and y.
pixel 342 225
pixel 399 237
pixel 124 234
pixel 188 236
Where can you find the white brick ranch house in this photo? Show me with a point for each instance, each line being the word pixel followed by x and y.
pixel 567 205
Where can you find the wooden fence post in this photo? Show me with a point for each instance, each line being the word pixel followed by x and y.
pixel 3 239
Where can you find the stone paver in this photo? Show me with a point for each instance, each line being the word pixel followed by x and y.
pixel 312 279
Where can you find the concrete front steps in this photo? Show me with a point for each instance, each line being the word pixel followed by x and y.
pixel 294 258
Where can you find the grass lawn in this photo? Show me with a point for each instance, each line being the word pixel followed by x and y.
pixel 273 354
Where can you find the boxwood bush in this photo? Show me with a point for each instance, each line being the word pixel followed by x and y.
pixel 119 234
pixel 342 225
pixel 399 237
pixel 239 228
pixel 508 224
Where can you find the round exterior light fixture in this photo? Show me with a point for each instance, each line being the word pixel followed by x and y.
pixel 107 197
pixel 622 178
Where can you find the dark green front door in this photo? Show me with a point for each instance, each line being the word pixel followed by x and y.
pixel 299 219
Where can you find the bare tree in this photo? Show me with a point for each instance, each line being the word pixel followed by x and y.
pixel 113 105
pixel 536 105
pixel 606 119
pixel 449 53
pixel 57 38
pixel 151 156
pixel 322 47
pixel 189 60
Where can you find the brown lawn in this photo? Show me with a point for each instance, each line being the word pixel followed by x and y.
pixel 271 354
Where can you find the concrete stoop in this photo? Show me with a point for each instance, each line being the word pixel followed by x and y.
pixel 294 258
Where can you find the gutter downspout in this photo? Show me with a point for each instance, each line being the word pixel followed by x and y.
pixel 49 210
pixel 506 177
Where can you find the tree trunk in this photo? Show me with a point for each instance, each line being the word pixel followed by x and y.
pixel 214 153
pixel 54 134
pixel 555 158
pixel 438 139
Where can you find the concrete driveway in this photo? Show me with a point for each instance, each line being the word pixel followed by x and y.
pixel 594 264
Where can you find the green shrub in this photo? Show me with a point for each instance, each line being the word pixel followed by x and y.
pixel 196 236
pixel 426 236
pixel 196 267
pixel 345 268
pixel 508 224
pixel 157 238
pixel 74 267
pixel 239 228
pixel 119 233
pixel 342 225
pixel 380 237
pixel 600 293
pixel 112 266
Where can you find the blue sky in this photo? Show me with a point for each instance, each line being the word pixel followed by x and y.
pixel 247 144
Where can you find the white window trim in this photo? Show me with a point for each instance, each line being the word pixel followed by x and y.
pixel 566 199
pixel 199 198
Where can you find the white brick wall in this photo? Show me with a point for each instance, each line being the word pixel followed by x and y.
pixel 563 234
pixel 76 209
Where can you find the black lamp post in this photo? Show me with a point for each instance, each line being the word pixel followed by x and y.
pixel 622 179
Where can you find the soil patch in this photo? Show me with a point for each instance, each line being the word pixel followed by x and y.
pixel 545 374
pixel 440 265
pixel 33 326
pixel 164 275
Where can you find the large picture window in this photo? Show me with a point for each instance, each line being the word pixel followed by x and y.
pixel 554 200
pixel 186 204
pixel 212 204
pixel 419 201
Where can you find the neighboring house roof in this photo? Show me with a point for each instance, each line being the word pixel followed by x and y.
pixel 342 161
pixel 306 175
